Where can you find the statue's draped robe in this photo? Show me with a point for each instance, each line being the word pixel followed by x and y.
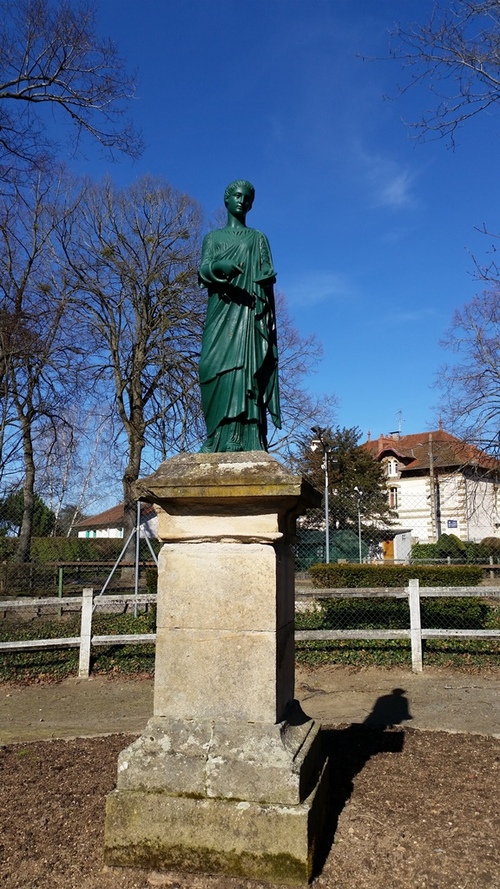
pixel 239 359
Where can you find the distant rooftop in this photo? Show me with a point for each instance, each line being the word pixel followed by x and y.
pixel 114 517
pixel 415 450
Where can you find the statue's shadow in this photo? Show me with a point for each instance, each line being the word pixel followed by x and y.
pixel 350 748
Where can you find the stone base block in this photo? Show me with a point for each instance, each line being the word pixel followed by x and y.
pixel 270 842
pixel 246 799
pixel 259 762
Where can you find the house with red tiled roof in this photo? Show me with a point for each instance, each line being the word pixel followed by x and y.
pixel 438 484
pixel 110 523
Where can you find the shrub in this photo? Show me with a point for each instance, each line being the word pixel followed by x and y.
pixel 352 575
pixel 454 613
pixel 450 546
pixel 424 551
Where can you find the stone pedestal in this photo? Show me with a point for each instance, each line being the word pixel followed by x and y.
pixel 229 775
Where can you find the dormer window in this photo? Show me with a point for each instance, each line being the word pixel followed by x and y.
pixel 392 468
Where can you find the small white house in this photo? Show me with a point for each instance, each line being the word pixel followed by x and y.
pixel 109 524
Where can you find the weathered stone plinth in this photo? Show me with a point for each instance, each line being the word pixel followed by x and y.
pixel 229 775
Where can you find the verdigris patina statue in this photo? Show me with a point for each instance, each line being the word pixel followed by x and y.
pixel 239 357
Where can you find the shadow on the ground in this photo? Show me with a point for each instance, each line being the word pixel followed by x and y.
pixel 349 749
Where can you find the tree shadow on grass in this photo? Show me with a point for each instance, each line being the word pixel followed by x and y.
pixel 349 749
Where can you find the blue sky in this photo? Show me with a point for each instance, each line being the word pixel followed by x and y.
pixel 372 233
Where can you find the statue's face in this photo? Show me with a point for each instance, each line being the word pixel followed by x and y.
pixel 240 202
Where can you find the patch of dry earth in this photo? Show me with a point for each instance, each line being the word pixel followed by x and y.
pixel 410 809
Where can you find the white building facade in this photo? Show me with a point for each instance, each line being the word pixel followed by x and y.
pixel 438 485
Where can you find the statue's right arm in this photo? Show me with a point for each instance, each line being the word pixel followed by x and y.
pixel 205 270
pixel 215 271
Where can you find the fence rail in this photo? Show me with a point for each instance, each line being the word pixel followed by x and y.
pixel 415 632
pixel 88 603
pixel 63 578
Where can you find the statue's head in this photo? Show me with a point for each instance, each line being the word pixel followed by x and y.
pixel 234 186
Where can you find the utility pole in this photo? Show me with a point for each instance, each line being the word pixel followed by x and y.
pixel 326 446
pixel 359 495
pixel 433 493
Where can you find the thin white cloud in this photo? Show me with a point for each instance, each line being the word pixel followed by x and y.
pixel 390 183
pixel 314 287
pixel 409 316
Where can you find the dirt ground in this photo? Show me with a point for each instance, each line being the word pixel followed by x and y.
pixel 410 810
pixel 414 809
pixel 467 702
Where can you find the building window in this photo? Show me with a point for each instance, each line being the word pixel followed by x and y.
pixel 393 498
pixel 392 468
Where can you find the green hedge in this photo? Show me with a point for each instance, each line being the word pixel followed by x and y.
pixel 449 546
pixel 351 575
pixel 72 549
pixel 392 614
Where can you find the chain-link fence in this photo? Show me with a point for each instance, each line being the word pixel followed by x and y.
pixel 68 578
pixel 454 521
pixel 63 566
pixel 364 626
pixel 359 610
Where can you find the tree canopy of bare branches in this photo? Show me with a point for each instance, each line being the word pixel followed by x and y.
pixel 298 358
pixel 471 382
pixel 456 53
pixel 51 55
pixel 133 256
pixel 37 357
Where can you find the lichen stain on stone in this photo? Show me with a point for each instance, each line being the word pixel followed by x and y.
pixel 274 868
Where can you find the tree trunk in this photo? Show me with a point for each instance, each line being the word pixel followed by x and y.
pixel 24 545
pixel 131 474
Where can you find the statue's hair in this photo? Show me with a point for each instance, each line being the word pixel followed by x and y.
pixel 239 183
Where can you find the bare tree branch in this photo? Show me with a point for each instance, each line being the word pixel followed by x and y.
pixel 471 383
pixel 133 255
pixel 456 54
pixel 51 55
pixel 37 359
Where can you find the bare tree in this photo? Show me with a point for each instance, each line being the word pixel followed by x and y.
pixel 471 383
pixel 456 53
pixel 37 358
pixel 133 255
pixel 51 55
pixel 298 358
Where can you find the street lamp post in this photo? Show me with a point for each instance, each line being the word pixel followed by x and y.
pixel 359 495
pixel 326 446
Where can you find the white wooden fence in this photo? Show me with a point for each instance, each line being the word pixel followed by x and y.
pixel 413 592
pixel 88 604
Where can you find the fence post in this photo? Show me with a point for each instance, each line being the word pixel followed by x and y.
pixel 86 632
pixel 60 585
pixel 415 626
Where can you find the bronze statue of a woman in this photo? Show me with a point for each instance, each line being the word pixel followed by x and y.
pixel 239 357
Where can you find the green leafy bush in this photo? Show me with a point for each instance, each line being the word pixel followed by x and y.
pixel 365 614
pixel 58 663
pixel 393 614
pixel 449 546
pixel 454 613
pixel 352 575
pixel 424 551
